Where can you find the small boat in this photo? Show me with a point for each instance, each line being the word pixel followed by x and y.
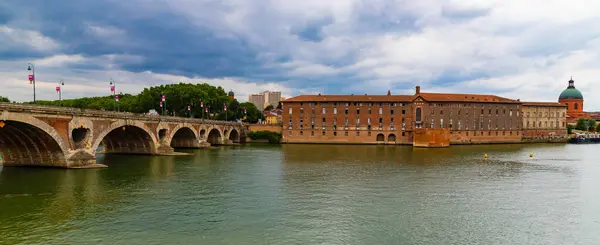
pixel 586 138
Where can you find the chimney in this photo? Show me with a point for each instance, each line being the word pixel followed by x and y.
pixel 389 93
pixel 418 90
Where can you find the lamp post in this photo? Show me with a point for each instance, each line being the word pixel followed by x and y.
pixel 113 90
pixel 31 68
pixel 202 108
pixel 59 91
pixel 163 103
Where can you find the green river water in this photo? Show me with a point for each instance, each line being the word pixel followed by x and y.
pixel 313 194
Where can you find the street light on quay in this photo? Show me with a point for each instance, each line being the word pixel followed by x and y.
pixel 59 91
pixel 113 90
pixel 31 68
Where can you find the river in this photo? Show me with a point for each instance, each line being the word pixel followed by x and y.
pixel 313 194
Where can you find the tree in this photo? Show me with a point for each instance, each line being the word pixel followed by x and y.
pixel 581 124
pixel 268 108
pixel 279 106
pixel 598 128
pixel 4 99
pixel 591 123
pixel 252 113
pixel 570 128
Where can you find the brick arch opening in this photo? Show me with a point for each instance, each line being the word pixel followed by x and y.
pixel 23 144
pixel 380 138
pixel 234 136
pixel 214 137
pixel 392 138
pixel 128 139
pixel 184 138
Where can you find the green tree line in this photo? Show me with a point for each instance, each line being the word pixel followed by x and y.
pixel 587 125
pixel 177 99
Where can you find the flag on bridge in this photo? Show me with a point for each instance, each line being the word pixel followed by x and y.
pixel 30 79
pixel 117 98
pixel 57 89
pixel 112 89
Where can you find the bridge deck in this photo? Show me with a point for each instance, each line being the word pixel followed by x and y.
pixel 70 111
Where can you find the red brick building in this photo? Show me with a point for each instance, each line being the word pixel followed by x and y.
pixel 423 119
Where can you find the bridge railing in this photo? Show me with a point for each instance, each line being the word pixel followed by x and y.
pixel 71 111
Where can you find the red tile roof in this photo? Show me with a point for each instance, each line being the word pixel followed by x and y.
pixel 432 97
pixel 555 104
pixel 351 98
pixel 435 97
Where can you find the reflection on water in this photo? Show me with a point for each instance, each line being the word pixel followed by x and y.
pixel 312 194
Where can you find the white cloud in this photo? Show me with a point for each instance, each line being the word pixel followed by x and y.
pixel 96 82
pixel 32 39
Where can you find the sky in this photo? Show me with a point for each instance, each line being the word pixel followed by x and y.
pixel 525 50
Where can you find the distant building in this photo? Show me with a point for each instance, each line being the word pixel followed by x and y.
pixel 264 99
pixel 273 116
pixel 231 95
pixel 422 119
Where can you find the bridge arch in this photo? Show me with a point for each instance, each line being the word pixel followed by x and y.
pixel 214 136
pixel 28 141
pixel 234 135
pixel 126 137
pixel 184 136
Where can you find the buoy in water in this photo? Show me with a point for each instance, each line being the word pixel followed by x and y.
pixel 485 155
pixel 530 154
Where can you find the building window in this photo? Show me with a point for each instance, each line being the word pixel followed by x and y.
pixel 323 110
pixel 442 112
pixel 450 125
pixel 312 123
pixel 334 111
pixel 323 133
pixel 357 111
pixel 540 125
pixel 290 123
pixel 312 133
pixel 301 123
pixel 403 124
pixel 380 123
pixel 418 115
pixel 403 111
pixel 290 110
pixel 301 132
pixel 346 111
pixel 357 123
pixel 369 110
pixel 403 133
pixel 442 123
pixel 334 133
pixel 510 113
pixel 392 112
pixel 357 133
pixel 369 133
pixel 380 110
pixel 312 110
pixel 301 110
pixel 432 123
pixel 324 123
pixel 346 123
pixel 346 133
pixel 576 106
pixel 459 126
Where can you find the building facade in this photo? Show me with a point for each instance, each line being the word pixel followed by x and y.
pixel 544 121
pixel 421 119
pixel 264 99
pixel 573 99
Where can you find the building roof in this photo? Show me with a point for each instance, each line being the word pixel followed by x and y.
pixel 554 104
pixel 439 97
pixel 432 97
pixel 351 98
pixel 571 92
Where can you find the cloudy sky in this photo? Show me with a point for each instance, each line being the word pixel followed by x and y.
pixel 514 48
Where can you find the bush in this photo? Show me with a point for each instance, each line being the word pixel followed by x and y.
pixel 570 128
pixel 273 137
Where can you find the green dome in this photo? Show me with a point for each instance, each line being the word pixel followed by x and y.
pixel 571 92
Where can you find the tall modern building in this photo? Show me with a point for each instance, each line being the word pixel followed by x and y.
pixel 264 99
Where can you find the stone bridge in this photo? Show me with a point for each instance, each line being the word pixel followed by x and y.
pixel 32 135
